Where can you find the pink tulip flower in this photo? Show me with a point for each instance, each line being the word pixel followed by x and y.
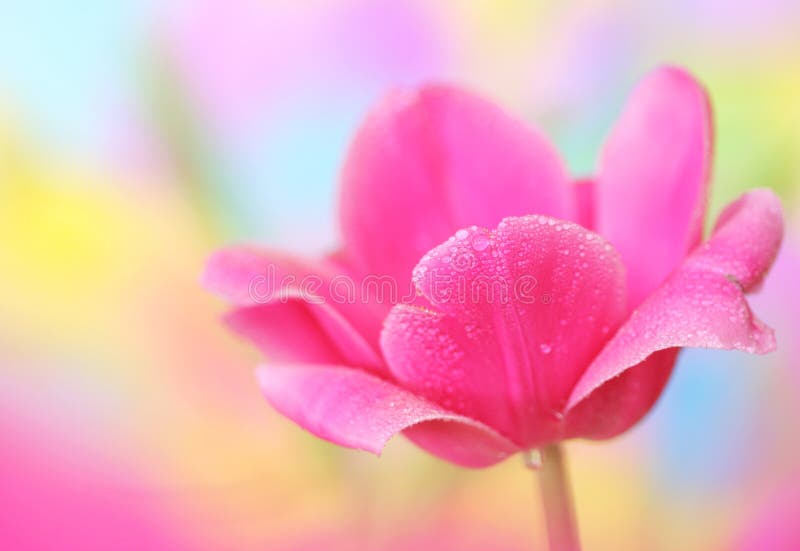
pixel 544 309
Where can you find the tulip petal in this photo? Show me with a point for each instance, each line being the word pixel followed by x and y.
pixel 745 240
pixel 428 162
pixel 653 177
pixel 621 402
pixel 702 304
pixel 285 332
pixel 271 285
pixel 354 409
pixel 248 276
pixel 515 316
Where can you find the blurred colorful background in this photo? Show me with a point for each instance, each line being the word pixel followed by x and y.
pixel 138 136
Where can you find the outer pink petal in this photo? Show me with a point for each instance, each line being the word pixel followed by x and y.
pixel 286 332
pixel 621 402
pixel 653 176
pixel 357 410
pixel 275 285
pixel 248 276
pixel 745 240
pixel 428 162
pixel 517 314
pixel 702 305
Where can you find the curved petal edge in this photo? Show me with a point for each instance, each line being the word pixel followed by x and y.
pixel 653 177
pixel 267 285
pixel 356 410
pixel 430 160
pixel 702 304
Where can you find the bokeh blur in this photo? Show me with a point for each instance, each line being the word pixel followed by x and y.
pixel 137 136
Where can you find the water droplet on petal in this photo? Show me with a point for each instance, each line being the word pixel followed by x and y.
pixel 545 348
pixel 480 242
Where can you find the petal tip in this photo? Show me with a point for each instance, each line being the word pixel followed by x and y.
pixel 211 271
pixel 221 272
pixel 674 75
pixel 769 198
